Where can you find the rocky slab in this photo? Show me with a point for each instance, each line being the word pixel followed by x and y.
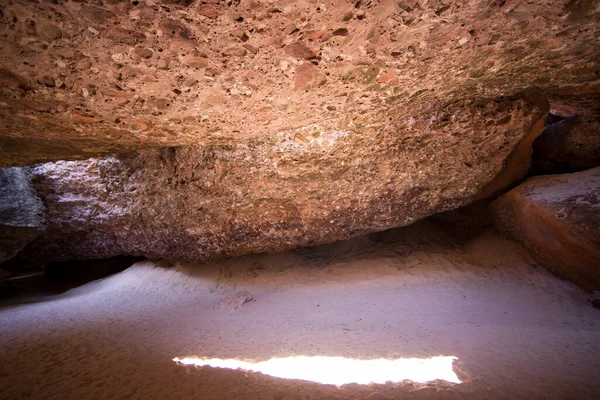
pixel 21 212
pixel 557 217
pixel 570 145
pixel 82 79
pixel 301 187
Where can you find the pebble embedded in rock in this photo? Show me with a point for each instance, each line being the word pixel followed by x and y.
pixel 239 34
pixel 163 63
pixel 340 32
pixel 348 15
pixel 144 53
pixel 48 31
pixel 299 51
pixel 235 51
pixel 196 62
pixel 250 48
pixel 47 81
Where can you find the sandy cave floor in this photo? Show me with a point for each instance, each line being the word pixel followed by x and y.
pixel 517 331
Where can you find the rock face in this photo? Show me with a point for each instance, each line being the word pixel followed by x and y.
pixel 302 187
pixel 570 145
pixel 81 78
pixel 557 218
pixel 21 212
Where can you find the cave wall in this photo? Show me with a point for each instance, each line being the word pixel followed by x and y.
pixel 86 78
pixel 303 187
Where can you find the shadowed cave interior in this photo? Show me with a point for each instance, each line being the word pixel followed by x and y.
pixel 300 200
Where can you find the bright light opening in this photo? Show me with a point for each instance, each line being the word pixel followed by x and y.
pixel 339 370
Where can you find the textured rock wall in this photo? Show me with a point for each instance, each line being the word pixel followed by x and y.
pixel 84 78
pixel 302 187
pixel 557 217
pixel 21 212
pixel 570 145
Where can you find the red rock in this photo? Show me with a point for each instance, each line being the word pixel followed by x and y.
pixel 97 14
pixel 125 36
pixel 316 34
pixel 250 48
pixel 307 75
pixel 299 51
pixel 34 105
pixel 47 81
pixel 144 53
pixel 347 16
pixel 387 77
pixel 117 93
pixel 556 217
pixel 209 10
pixel 196 62
pixel 48 31
pixel 239 34
pixel 235 51
pixel 340 32
pixel 12 80
pixel 570 145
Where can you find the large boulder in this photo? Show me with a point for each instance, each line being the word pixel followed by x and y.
pixel 21 212
pixel 569 145
pixel 80 80
pixel 557 217
pixel 301 187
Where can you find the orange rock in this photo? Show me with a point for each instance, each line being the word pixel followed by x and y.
pixel 209 11
pixel 315 34
pixel 387 77
pixel 556 217
pixel 196 62
pixel 34 105
pixel 250 48
pixel 117 93
pixel 307 75
pixel 299 51
pixel 235 51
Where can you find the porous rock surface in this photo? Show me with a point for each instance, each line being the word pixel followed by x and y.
pixel 85 78
pixel 302 187
pixel 557 217
pixel 569 145
pixel 21 212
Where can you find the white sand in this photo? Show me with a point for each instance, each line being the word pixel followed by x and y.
pixel 518 332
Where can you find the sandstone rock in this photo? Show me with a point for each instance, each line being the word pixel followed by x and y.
pixel 299 51
pixel 163 63
pixel 12 80
pixel 570 145
pixel 239 34
pixel 347 16
pixel 307 75
pixel 301 187
pixel 97 14
pixel 504 55
pixel 316 34
pixel 250 48
pixel 48 31
pixel 235 51
pixel 143 52
pixel 209 10
pixel 47 81
pixel 340 32
pixel 196 62
pixel 557 218
pixel 21 212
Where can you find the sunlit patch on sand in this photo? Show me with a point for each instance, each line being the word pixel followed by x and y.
pixel 339 370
